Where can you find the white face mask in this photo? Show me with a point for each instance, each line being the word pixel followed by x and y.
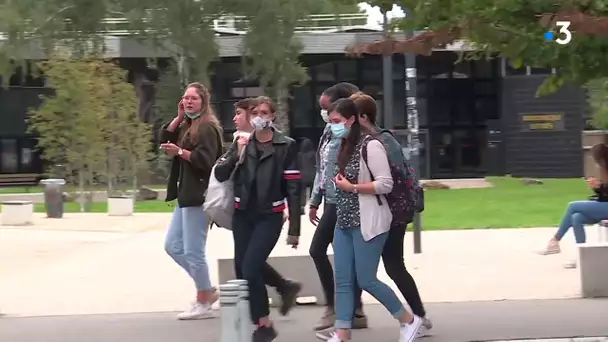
pixel 259 123
pixel 324 115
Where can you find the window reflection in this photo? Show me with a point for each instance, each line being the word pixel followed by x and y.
pixel 10 159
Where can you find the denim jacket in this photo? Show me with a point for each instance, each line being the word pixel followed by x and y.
pixel 326 170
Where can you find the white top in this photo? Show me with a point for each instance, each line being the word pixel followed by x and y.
pixel 377 218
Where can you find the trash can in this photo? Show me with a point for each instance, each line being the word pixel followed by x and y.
pixel 53 197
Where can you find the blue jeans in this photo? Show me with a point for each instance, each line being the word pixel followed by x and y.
pixel 361 267
pixel 185 243
pixel 580 213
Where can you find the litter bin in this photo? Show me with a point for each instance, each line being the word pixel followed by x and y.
pixel 53 197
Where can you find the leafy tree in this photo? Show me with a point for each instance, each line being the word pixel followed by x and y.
pixel 168 91
pixel 72 24
pixel 183 28
pixel 598 100
pixel 271 49
pixel 71 123
pixel 127 135
pixel 514 29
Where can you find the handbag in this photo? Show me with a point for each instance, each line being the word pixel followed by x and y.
pixel 219 202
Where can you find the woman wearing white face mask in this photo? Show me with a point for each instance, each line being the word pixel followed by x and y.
pixel 267 175
pixel 288 289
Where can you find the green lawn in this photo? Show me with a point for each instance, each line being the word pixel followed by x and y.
pixel 508 204
pixel 40 188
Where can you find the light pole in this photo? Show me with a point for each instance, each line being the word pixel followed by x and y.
pixel 412 126
pixel 388 121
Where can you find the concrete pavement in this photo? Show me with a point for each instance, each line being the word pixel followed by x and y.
pixel 109 279
pixel 454 322
pixel 94 264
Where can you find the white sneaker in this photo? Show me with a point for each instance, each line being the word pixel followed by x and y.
pixel 552 248
pixel 197 311
pixel 333 338
pixel 409 331
pixel 570 264
pixel 425 328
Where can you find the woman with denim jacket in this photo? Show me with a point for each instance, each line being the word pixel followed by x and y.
pixel 324 190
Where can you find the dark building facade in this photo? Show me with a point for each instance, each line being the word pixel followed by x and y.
pixel 476 118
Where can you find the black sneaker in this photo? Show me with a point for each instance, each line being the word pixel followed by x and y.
pixel 264 334
pixel 289 294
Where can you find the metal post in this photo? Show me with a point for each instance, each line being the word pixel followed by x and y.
pixel 412 126
pixel 230 318
pixel 388 121
pixel 243 309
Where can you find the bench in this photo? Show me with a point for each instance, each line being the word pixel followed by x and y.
pixel 593 269
pixel 20 179
pixel 602 231
pixel 296 267
pixel 17 213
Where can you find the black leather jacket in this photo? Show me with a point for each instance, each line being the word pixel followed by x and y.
pixel 276 174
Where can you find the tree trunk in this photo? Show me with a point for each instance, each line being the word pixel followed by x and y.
pixel 282 115
pixel 81 190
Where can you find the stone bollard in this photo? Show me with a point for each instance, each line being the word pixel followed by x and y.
pixel 243 308
pixel 230 320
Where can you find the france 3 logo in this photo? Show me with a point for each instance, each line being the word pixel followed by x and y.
pixel 563 36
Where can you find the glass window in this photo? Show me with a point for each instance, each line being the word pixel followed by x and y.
pixel 484 69
pixel 485 88
pixel 347 70
pixel 9 159
pixel 421 88
pixel 324 72
pixel 399 116
pixel 439 111
pixel 398 67
pixel 372 69
pixel 421 106
pixel 303 105
pixel 242 92
pixel 540 71
pixel 462 70
pixel 441 64
pixel 510 70
pixel 487 107
pixel 226 113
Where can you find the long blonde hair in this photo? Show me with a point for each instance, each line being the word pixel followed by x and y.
pixel 207 115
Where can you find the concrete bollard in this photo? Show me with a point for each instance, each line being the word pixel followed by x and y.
pixel 243 308
pixel 230 320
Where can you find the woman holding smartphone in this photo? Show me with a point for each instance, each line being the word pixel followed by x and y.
pixel 194 140
pixel 580 213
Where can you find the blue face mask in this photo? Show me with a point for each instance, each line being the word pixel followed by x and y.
pixel 339 130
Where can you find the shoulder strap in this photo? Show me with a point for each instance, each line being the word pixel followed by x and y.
pixel 364 155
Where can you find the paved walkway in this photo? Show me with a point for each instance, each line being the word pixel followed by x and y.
pixel 454 322
pixel 95 264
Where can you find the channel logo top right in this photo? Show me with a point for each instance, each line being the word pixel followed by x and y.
pixel 563 36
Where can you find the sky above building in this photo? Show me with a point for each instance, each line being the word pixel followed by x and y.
pixel 374 16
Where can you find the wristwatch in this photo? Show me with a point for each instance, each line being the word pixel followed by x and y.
pixel 356 188
pixel 180 152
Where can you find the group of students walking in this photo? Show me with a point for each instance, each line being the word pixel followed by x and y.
pixel 354 175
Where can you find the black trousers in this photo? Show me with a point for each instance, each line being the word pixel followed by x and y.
pixel 392 257
pixel 324 235
pixel 255 236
